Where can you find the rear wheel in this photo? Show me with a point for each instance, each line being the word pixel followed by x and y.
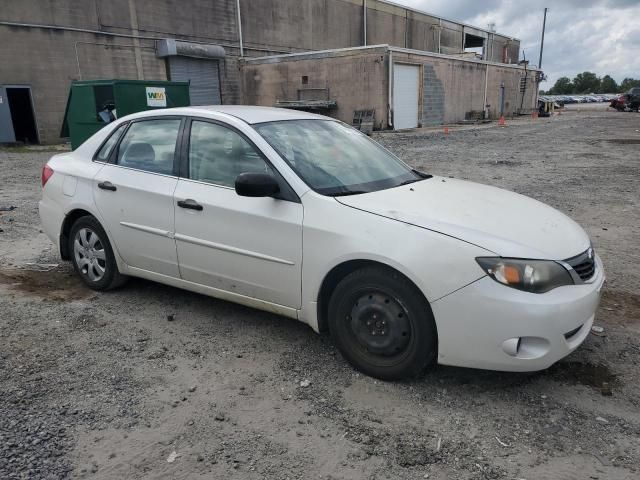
pixel 92 255
pixel 382 324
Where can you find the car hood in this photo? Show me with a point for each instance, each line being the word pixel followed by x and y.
pixel 506 223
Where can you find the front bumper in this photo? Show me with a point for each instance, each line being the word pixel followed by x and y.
pixel 488 325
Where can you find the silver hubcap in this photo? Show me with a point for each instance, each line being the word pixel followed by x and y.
pixel 89 254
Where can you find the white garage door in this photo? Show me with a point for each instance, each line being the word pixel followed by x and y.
pixel 203 75
pixel 406 95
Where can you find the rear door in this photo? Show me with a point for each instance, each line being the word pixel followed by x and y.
pixel 247 246
pixel 134 194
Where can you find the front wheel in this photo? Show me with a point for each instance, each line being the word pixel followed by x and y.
pixel 382 324
pixel 92 255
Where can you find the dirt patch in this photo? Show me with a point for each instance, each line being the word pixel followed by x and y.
pixel 624 306
pixel 598 376
pixel 58 284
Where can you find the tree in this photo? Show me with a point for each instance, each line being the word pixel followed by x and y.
pixel 629 83
pixel 586 82
pixel 608 85
pixel 563 86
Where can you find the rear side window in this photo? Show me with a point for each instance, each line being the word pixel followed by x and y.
pixel 107 147
pixel 150 145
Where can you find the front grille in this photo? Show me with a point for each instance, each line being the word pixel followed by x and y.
pixel 584 264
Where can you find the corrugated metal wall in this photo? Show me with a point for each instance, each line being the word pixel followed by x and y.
pixel 203 77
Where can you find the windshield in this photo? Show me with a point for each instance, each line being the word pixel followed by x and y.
pixel 334 159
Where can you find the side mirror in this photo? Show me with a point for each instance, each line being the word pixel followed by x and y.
pixel 256 185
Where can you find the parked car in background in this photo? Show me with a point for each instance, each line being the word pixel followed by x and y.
pixel 629 102
pixel 304 216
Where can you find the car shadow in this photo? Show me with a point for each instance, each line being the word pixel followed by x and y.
pixel 305 342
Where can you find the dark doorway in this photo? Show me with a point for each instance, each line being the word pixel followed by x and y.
pixel 24 123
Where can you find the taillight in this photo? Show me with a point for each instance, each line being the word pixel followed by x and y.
pixel 47 171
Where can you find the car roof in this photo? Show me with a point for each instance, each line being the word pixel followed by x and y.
pixel 249 114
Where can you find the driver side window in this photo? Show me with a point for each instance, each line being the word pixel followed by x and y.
pixel 218 155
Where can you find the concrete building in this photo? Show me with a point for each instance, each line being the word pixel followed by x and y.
pixel 45 45
pixel 406 88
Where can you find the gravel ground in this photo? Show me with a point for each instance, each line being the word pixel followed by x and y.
pixel 152 382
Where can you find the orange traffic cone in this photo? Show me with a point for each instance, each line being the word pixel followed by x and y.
pixel 446 130
pixel 501 121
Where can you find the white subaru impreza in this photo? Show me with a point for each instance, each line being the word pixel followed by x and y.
pixel 301 215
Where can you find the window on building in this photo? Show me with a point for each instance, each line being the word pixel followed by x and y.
pixel 473 43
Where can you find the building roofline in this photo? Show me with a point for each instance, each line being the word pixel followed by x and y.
pixel 411 9
pixel 314 53
pixel 462 59
pixel 382 47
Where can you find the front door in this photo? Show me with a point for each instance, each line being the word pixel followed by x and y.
pixel 247 246
pixel 134 194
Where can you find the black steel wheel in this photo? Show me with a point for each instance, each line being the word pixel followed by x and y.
pixel 92 255
pixel 382 324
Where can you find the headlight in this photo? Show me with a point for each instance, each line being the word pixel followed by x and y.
pixel 535 276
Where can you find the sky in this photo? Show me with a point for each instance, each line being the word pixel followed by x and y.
pixel 600 36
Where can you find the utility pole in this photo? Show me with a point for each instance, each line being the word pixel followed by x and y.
pixel 544 24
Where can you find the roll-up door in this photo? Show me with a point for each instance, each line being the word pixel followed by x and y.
pixel 203 75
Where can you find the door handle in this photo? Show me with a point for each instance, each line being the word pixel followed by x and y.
pixel 107 186
pixel 190 204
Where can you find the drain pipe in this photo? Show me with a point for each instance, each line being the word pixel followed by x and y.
pixel 239 28
pixel 390 102
pixel 502 99
pixel 125 35
pixel 364 21
pixel 486 84
pixel 133 14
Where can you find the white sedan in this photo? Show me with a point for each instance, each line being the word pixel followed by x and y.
pixel 301 215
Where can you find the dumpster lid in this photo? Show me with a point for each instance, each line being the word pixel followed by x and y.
pixel 64 131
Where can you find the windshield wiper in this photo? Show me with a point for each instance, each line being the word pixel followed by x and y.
pixel 349 192
pixel 407 182
pixel 423 176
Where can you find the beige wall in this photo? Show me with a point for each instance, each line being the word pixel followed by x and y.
pixel 356 80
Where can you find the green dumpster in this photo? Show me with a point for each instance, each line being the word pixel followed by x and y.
pixel 92 104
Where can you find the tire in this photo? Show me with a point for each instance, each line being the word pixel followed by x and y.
pixel 92 256
pixel 382 324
